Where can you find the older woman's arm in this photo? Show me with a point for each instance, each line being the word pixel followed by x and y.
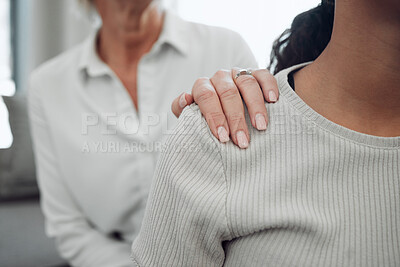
pixel 77 241
pixel 185 221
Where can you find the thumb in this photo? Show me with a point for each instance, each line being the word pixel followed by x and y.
pixel 180 103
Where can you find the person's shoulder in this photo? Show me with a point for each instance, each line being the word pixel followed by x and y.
pixel 192 122
pixel 215 32
pixel 285 117
pixel 215 42
pixel 192 133
pixel 58 66
pixel 56 72
pixel 207 32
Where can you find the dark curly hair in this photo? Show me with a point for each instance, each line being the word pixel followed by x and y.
pixel 308 36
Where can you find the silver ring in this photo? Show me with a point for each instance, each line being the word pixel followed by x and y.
pixel 243 72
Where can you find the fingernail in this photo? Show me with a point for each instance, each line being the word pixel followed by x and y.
pixel 261 123
pixel 272 96
pixel 223 135
pixel 242 139
pixel 182 101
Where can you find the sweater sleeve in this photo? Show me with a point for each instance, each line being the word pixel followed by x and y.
pixel 185 221
pixel 77 241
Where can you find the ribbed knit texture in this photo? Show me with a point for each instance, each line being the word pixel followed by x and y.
pixel 307 192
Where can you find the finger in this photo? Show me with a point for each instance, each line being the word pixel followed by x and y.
pixel 268 84
pixel 180 103
pixel 254 99
pixel 189 99
pixel 232 105
pixel 205 96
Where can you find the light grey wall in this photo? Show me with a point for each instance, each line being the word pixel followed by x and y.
pixel 45 28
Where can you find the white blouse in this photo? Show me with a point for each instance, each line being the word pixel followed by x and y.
pixel 95 154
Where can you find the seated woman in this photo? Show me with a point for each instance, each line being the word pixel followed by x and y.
pixel 321 187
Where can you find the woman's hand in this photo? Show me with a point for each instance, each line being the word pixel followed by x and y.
pixel 220 102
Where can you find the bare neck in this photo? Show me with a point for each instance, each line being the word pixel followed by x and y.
pixel 356 81
pixel 122 47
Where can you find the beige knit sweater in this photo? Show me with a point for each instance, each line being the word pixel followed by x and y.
pixel 307 192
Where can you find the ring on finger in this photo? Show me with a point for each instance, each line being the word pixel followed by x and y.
pixel 243 72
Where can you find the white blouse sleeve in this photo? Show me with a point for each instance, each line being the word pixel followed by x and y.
pixel 242 55
pixel 77 242
pixel 185 221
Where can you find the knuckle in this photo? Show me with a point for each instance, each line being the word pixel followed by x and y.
pixel 262 72
pixel 228 92
pixel 217 117
pixel 236 119
pixel 201 81
pixel 221 74
pixel 204 94
pixel 246 80
pixel 202 89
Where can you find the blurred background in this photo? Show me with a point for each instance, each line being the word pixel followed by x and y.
pixel 33 31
